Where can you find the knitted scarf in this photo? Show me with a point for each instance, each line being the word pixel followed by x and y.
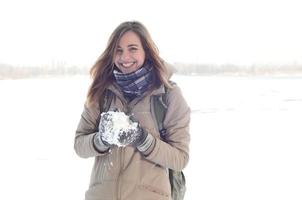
pixel 134 84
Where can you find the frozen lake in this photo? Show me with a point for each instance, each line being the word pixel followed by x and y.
pixel 246 138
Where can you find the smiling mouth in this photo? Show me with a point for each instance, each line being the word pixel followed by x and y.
pixel 127 64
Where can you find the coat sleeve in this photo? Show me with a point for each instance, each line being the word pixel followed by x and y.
pixel 87 128
pixel 173 153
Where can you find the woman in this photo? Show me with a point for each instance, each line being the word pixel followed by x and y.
pixel 132 70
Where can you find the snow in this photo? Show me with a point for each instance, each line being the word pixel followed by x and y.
pixel 117 125
pixel 245 138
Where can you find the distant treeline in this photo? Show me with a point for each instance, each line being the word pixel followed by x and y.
pixel 208 69
pixel 17 72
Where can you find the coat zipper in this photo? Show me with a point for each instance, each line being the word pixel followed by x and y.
pixel 119 181
pixel 122 157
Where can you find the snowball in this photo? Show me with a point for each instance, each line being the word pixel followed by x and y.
pixel 115 125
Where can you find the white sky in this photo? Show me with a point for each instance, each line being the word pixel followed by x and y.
pixel 204 31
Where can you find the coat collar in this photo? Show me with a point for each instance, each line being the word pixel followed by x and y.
pixel 154 91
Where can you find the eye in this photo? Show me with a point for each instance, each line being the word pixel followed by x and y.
pixel 119 51
pixel 133 49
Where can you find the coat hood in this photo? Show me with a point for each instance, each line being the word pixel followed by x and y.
pixel 170 69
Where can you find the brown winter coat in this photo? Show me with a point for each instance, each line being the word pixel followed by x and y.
pixel 124 173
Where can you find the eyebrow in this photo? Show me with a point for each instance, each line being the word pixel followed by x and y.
pixel 130 45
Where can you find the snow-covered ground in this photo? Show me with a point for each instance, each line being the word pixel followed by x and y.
pixel 246 138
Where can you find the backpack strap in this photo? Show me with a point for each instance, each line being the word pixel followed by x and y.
pixel 160 107
pixel 107 99
pixel 104 103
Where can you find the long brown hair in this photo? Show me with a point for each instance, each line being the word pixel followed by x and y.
pixel 102 71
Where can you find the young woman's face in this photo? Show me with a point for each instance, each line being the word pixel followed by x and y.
pixel 130 54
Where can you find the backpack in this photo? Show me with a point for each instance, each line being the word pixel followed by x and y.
pixel 177 178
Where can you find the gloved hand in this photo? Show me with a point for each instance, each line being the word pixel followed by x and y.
pixel 105 127
pixel 143 141
pixel 100 140
pixel 134 137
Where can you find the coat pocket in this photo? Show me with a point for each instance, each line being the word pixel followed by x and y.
pixel 100 192
pixel 153 193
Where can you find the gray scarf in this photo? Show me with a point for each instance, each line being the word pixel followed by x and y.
pixel 134 84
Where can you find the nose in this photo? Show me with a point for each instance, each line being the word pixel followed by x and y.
pixel 125 56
